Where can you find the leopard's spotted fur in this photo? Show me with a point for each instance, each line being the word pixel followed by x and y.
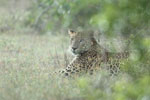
pixel 90 56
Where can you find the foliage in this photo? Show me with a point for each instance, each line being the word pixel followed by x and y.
pixel 121 89
pixel 109 16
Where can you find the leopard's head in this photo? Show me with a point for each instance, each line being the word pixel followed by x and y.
pixel 81 42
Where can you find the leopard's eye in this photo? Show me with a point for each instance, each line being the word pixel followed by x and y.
pixel 81 40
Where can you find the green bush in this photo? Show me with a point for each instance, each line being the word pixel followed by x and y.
pixel 109 16
pixel 123 88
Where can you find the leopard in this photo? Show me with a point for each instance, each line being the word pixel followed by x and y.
pixel 90 56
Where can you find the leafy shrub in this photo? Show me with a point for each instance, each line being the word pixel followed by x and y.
pixel 109 16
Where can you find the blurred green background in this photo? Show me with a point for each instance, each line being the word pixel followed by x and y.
pixel 34 42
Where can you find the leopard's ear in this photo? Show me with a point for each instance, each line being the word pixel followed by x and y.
pixel 72 33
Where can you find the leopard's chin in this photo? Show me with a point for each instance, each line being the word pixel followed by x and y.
pixel 78 52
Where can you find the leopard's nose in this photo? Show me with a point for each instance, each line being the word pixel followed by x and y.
pixel 73 48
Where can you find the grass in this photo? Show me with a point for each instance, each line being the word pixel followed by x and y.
pixel 26 62
pixel 25 65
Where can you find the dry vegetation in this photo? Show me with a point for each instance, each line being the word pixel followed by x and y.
pixel 25 65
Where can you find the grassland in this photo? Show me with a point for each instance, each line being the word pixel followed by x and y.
pixel 26 62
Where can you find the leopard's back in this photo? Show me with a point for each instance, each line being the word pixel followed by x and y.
pixel 114 61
